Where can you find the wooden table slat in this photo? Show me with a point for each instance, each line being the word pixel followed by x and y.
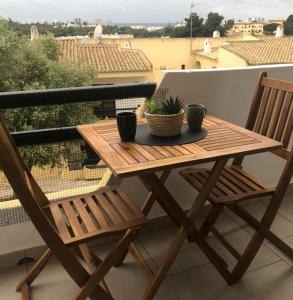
pixel 126 159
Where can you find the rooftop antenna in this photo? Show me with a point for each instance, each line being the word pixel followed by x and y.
pixel 192 5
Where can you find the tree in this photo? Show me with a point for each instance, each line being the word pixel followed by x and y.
pixel 9 42
pixel 197 25
pixel 270 28
pixel 212 23
pixel 288 26
pixel 27 65
pixel 228 24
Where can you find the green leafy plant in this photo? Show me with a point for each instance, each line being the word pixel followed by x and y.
pixel 169 106
pixel 172 106
pixel 154 107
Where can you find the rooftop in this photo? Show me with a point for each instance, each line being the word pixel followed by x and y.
pixel 266 50
pixel 105 58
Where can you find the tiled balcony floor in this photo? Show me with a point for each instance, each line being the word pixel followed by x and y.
pixel 191 277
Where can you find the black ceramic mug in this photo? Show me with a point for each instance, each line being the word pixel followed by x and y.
pixel 195 114
pixel 126 122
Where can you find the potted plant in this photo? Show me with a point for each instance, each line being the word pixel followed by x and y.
pixel 164 117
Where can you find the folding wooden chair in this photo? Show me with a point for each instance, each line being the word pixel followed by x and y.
pixel 271 115
pixel 67 225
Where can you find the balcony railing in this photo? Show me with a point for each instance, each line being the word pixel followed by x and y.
pixel 43 125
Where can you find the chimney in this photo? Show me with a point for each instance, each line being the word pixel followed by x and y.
pixel 127 44
pixel 216 34
pixel 207 49
pixel 34 32
pixel 280 31
pixel 99 29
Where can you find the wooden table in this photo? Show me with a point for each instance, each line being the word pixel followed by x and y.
pixel 224 141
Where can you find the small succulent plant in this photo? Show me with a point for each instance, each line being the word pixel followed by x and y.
pixel 172 106
pixel 154 106
pixel 169 106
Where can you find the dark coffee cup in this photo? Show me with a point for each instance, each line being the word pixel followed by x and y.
pixel 195 114
pixel 126 122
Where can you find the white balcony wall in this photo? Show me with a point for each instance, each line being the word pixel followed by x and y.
pixel 227 93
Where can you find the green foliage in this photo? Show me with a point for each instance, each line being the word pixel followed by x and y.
pixel 212 23
pixel 199 28
pixel 169 106
pixel 270 28
pixel 197 25
pixel 29 65
pixel 44 29
pixel 9 42
pixel 154 106
pixel 46 44
pixel 288 26
pixel 172 106
pixel 228 24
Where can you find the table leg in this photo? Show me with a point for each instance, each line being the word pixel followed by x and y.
pixel 152 197
pixel 173 209
pixel 145 209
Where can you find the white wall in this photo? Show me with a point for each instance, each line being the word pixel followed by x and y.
pixel 227 93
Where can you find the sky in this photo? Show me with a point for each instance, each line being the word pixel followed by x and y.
pixel 138 11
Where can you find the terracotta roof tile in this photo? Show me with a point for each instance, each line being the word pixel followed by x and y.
pixel 266 50
pixel 105 58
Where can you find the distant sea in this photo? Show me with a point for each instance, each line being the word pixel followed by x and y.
pixel 144 24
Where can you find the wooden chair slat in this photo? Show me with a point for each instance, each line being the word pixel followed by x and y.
pixel 124 212
pixel 276 114
pixel 202 179
pixel 277 84
pixel 268 113
pixel 100 218
pixel 60 222
pixel 84 215
pixel 197 185
pixel 124 197
pixel 283 153
pixel 255 180
pixel 245 179
pixel 288 131
pixel 262 109
pixel 234 180
pixel 113 215
pixel 73 219
pixel 230 186
pixel 220 185
pixel 283 117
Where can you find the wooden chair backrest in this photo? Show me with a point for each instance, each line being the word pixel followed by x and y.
pixel 271 112
pixel 271 115
pixel 25 187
